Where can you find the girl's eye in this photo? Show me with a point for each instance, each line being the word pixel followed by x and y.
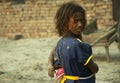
pixel 82 21
pixel 79 20
pixel 76 20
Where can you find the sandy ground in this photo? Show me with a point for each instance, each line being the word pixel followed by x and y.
pixel 25 61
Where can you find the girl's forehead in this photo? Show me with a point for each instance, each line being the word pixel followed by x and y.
pixel 78 15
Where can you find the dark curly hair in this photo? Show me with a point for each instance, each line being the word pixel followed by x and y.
pixel 63 15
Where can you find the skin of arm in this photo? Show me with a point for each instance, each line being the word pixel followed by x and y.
pixel 51 69
pixel 93 66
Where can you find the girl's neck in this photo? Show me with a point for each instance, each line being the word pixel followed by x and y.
pixel 73 35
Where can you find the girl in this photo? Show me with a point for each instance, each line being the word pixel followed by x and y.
pixel 70 53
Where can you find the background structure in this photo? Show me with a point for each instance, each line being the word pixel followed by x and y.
pixel 35 18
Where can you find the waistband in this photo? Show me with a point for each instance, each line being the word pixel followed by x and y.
pixel 75 78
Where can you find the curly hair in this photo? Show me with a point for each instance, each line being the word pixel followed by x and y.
pixel 63 15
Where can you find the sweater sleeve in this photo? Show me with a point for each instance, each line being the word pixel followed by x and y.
pixel 83 52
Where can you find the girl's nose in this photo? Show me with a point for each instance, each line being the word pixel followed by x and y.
pixel 79 24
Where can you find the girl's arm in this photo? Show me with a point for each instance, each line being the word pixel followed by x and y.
pixel 93 66
pixel 51 69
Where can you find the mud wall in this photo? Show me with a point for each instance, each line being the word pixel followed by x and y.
pixel 35 18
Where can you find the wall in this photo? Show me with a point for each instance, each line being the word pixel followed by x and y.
pixel 35 18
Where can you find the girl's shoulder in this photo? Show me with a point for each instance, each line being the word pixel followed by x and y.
pixel 83 45
pixel 73 42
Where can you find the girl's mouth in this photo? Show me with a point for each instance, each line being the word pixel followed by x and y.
pixel 78 29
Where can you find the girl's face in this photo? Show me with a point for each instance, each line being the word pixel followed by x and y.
pixel 76 24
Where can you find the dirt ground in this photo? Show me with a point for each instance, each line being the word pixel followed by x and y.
pixel 25 61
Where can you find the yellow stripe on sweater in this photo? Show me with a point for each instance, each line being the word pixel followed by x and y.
pixel 88 60
pixel 70 78
pixel 79 40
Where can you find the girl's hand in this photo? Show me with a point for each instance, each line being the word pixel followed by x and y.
pixel 51 71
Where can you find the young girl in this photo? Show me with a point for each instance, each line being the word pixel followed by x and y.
pixel 70 53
